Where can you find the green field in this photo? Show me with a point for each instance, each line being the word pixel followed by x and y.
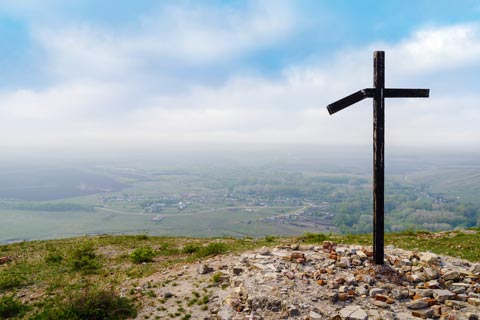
pixel 235 199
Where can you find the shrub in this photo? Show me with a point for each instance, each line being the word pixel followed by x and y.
pixel 191 248
pixel 168 250
pixel 412 232
pixel 217 276
pixel 313 237
pixel 269 238
pixel 10 307
pixel 140 255
pixel 142 237
pixel 92 305
pixel 84 259
pixel 53 257
pixel 10 280
pixel 212 249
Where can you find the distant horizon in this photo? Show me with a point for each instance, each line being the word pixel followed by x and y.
pixel 209 152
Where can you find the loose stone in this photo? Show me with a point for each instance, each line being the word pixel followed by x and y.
pixel 353 313
pixel 315 316
pixel 417 304
pixel 204 269
pixel 442 295
pixel 455 304
pixel 451 275
pixel 474 301
pixel 374 291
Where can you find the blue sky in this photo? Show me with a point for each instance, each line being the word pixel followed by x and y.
pixel 159 72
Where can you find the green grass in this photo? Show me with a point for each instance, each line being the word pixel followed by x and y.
pixel 61 268
pixel 313 237
pixel 191 248
pixel 144 254
pixel 216 277
pixel 84 259
pixel 453 243
pixel 212 249
pixel 89 304
pixel 11 307
pixel 11 279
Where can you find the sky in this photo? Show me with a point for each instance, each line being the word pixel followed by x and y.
pixel 151 73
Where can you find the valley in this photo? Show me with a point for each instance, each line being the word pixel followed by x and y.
pixel 240 198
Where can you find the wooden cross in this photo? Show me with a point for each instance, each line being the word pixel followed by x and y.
pixel 378 93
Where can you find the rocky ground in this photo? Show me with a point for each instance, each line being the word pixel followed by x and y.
pixel 328 281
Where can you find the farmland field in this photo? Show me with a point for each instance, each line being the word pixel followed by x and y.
pixel 240 199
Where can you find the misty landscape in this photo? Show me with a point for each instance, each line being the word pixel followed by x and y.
pixel 239 159
pixel 242 193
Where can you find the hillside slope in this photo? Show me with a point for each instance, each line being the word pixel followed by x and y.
pixel 310 277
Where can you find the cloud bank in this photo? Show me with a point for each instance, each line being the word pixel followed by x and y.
pixel 179 74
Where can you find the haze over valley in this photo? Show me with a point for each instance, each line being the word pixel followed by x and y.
pixel 208 118
pixel 233 191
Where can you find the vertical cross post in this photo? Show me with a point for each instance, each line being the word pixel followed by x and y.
pixel 378 93
pixel 378 155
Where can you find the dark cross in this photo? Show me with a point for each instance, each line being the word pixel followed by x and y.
pixel 378 93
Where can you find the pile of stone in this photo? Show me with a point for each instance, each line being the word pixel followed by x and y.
pixel 336 282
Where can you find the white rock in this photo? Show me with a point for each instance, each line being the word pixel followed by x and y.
pixel 430 258
pixel 442 295
pixel 451 275
pixel 315 316
pixel 417 304
pixel 475 268
pixel 353 313
pixel 374 291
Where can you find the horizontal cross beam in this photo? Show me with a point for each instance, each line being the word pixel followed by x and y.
pixel 370 93
pixel 346 102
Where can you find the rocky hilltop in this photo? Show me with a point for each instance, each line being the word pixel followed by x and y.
pixel 325 281
pixel 313 276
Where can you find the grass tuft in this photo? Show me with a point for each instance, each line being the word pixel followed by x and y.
pixel 141 255
pixel 53 257
pixel 270 238
pixel 191 248
pixel 84 259
pixel 217 276
pixel 11 280
pixel 90 304
pixel 309 237
pixel 212 249
pixel 10 307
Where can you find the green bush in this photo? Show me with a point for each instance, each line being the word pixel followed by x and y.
pixel 10 279
pixel 140 255
pixel 212 249
pixel 168 250
pixel 216 277
pixel 269 238
pixel 142 237
pixel 53 257
pixel 92 305
pixel 10 307
pixel 309 237
pixel 84 259
pixel 191 248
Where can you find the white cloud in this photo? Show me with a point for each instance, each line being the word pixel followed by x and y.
pixel 103 95
pixel 198 34
pixel 173 36
pixel 438 49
